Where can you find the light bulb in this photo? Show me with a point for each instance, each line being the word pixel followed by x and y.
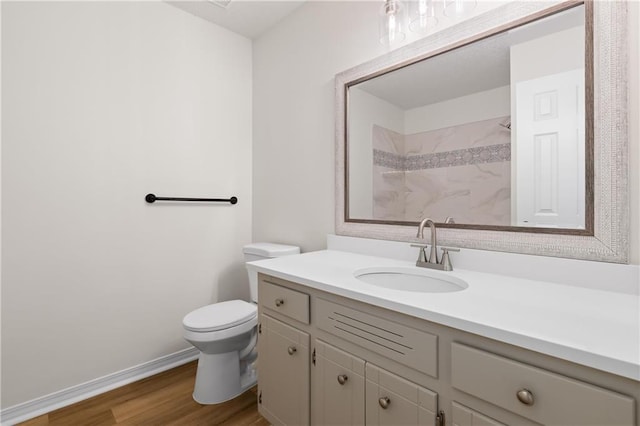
pixel 423 16
pixel 458 8
pixel 391 22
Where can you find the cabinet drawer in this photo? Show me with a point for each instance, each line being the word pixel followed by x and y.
pixel 291 303
pixel 414 348
pixel 554 399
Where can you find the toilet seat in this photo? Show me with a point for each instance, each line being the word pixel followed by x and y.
pixel 220 316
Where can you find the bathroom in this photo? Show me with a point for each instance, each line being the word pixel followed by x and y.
pixel 105 102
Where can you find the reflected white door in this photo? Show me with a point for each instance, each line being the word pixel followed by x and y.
pixel 549 156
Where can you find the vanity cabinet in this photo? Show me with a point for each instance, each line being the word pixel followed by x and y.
pixel 330 360
pixel 338 386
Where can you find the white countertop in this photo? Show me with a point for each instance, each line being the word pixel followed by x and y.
pixel 595 328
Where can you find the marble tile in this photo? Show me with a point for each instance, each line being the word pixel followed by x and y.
pixel 460 157
pixel 476 134
pixel 462 171
pixel 389 205
pixel 386 179
pixel 389 160
pixel 388 193
pixel 387 140
pixel 472 194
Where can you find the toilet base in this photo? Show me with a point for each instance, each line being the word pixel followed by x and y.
pixel 218 378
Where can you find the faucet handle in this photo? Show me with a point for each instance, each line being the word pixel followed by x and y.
pixel 446 261
pixel 448 249
pixel 422 256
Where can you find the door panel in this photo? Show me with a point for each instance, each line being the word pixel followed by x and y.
pixel 338 387
pixel 392 400
pixel 284 385
pixel 549 135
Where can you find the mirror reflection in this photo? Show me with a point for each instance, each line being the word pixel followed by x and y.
pixel 492 133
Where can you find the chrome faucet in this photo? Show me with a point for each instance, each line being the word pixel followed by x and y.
pixel 433 255
pixel 445 263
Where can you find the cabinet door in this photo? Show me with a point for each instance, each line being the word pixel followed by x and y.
pixel 392 400
pixel 338 387
pixel 283 373
pixel 464 416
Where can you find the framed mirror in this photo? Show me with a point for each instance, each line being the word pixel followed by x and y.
pixel 490 123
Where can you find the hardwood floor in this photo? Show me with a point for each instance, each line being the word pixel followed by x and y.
pixel 163 399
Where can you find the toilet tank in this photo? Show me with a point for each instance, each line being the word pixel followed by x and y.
pixel 259 251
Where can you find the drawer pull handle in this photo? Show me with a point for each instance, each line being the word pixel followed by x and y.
pixel 292 350
pixel 279 302
pixel 342 379
pixel 384 402
pixel 525 396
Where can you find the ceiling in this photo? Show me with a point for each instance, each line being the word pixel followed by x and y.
pixel 249 18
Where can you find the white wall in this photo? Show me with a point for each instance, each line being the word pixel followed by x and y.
pixel 294 67
pixel 104 102
pixel 478 106
pixel 293 147
pixel 366 111
pixel 551 54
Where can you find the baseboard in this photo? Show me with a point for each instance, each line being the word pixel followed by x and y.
pixel 45 404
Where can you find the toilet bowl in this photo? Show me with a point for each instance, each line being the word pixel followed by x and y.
pixel 225 333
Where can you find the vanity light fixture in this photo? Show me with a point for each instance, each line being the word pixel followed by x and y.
pixel 423 16
pixel 391 22
pixel 458 8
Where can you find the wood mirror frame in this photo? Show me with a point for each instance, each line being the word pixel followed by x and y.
pixel 607 212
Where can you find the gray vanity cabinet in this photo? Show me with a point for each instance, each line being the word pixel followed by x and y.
pixel 329 360
pixel 283 391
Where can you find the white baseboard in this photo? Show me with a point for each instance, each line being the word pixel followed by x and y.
pixel 53 401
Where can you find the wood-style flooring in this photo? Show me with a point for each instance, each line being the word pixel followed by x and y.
pixel 163 399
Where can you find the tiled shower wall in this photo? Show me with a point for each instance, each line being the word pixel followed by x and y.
pixel 462 171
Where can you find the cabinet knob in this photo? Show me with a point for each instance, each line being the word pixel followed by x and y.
pixel 342 379
pixel 279 302
pixel 525 396
pixel 292 350
pixel 384 402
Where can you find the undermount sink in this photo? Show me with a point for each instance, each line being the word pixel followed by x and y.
pixel 410 279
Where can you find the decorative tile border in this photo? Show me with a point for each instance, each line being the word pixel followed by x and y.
pixel 389 159
pixel 460 157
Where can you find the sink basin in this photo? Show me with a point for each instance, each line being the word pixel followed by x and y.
pixel 410 279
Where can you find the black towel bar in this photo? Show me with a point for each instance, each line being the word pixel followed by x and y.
pixel 151 198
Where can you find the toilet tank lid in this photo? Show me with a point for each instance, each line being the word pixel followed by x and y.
pixel 270 249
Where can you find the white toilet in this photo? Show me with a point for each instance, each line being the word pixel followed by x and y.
pixel 226 335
